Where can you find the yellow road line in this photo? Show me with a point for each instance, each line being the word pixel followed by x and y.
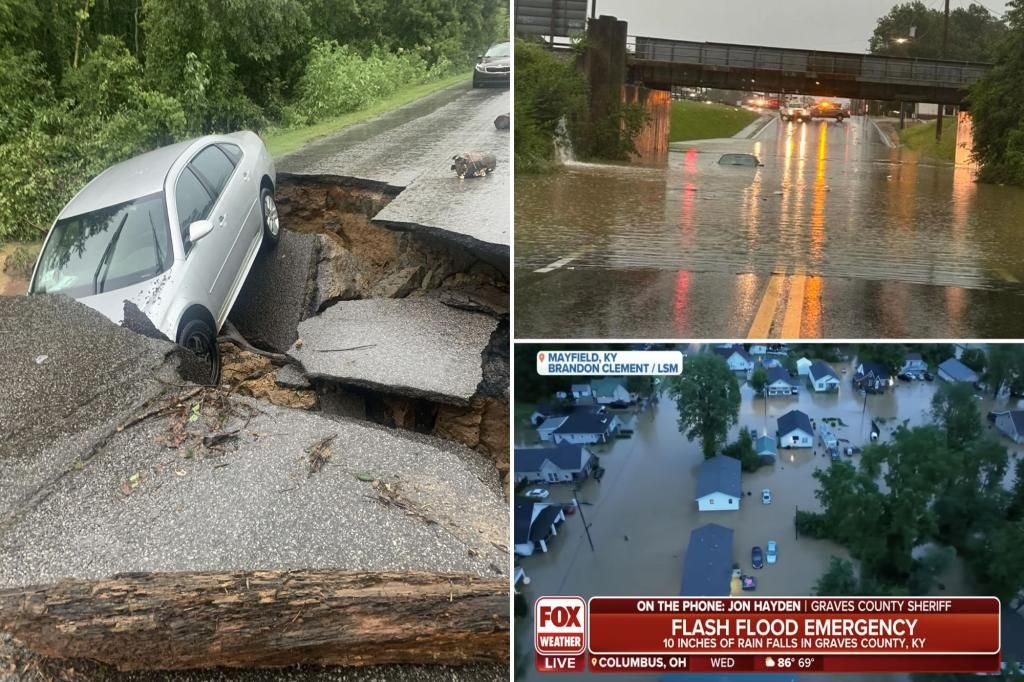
pixel 794 307
pixel 766 311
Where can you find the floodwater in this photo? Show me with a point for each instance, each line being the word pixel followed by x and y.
pixel 643 510
pixel 831 204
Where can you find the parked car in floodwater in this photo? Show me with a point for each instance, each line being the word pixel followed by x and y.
pixel 494 67
pixel 745 160
pixel 173 231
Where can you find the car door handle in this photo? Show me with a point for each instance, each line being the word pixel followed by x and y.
pixel 220 220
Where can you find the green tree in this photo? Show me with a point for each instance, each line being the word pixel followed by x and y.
pixel 974 358
pixel 890 355
pixel 1004 364
pixel 743 450
pixel 955 409
pixel 1015 509
pixel 839 580
pixel 759 379
pixel 973 32
pixel 707 396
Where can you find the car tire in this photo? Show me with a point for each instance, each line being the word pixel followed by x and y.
pixel 197 336
pixel 476 81
pixel 271 217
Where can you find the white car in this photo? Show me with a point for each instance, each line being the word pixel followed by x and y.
pixel 766 496
pixel 537 494
pixel 174 232
pixel 771 553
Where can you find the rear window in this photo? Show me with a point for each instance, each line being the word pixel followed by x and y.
pixel 214 166
pixel 738 160
pixel 106 249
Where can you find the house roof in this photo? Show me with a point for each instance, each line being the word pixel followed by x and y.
pixel 820 370
pixel 795 419
pixel 913 357
pixel 581 388
pixel 765 444
pixel 565 456
pixel 522 517
pixel 605 388
pixel 803 361
pixel 779 374
pixel 958 371
pixel 707 568
pixel 875 369
pixel 541 527
pixel 553 423
pixel 728 352
pixel 586 421
pixel 720 474
pixel 1017 419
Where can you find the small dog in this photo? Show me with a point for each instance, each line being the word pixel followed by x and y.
pixel 473 164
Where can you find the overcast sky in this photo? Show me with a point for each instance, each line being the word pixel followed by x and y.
pixel 839 25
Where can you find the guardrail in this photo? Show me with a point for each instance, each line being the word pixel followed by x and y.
pixel 873 68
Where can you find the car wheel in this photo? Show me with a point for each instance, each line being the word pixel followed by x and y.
pixel 476 81
pixel 197 337
pixel 271 216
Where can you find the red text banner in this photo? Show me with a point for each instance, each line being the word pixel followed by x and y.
pixel 906 626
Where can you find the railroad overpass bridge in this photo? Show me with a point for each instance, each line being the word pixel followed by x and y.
pixel 661 64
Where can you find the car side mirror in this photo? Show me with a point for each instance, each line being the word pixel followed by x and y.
pixel 199 229
pixel 479 57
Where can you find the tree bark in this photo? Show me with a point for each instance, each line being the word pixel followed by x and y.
pixel 174 621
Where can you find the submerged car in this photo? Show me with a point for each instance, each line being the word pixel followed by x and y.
pixel 756 558
pixel 766 496
pixel 747 160
pixel 537 494
pixel 494 67
pixel 172 232
pixel 771 553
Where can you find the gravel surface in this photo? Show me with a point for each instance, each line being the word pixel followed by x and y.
pixel 417 347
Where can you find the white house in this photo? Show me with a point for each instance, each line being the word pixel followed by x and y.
pixel 546 429
pixel 795 430
pixel 718 484
pixel 553 465
pixel 758 349
pixel 738 359
pixel 1011 425
pixel 586 427
pixel 535 523
pixel 914 363
pixel 823 378
pixel 780 383
pixel 803 366
pixel 581 391
pixel 610 391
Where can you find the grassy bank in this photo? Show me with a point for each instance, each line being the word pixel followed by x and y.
pixel 285 140
pixel 921 139
pixel 700 121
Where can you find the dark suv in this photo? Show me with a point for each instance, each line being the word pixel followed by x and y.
pixel 494 66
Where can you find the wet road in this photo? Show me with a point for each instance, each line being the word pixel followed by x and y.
pixel 838 235
pixel 643 510
pixel 412 148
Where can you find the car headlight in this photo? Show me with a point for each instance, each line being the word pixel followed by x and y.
pixel 480 67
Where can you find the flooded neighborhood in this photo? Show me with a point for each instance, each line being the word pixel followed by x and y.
pixel 643 493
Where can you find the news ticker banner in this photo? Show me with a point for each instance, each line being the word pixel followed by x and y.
pixel 609 362
pixel 770 634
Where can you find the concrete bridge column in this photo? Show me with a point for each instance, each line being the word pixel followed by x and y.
pixel 604 63
pixel 964 139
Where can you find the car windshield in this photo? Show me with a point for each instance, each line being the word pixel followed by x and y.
pixel 106 249
pixel 499 50
pixel 738 160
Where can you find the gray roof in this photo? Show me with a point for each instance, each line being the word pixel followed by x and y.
pixel 820 370
pixel 529 529
pixel 726 353
pixel 565 456
pixel 765 444
pixel 720 474
pixel 913 357
pixel 585 421
pixel 779 374
pixel 876 369
pixel 795 419
pixel 1017 419
pixel 707 568
pixel 958 371
pixel 137 177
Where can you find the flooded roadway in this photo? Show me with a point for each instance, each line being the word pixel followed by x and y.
pixel 643 510
pixel 838 235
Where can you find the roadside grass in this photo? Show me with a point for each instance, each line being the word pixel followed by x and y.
pixel 525 433
pixel 283 141
pixel 701 121
pixel 921 139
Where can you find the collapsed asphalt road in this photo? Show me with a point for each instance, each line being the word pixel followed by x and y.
pixel 360 451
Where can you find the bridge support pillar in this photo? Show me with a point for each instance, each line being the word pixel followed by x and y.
pixel 964 139
pixel 604 63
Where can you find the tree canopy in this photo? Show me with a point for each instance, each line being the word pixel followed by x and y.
pixel 913 29
pixel 707 396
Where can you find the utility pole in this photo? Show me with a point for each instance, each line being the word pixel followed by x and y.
pixel 579 510
pixel 942 55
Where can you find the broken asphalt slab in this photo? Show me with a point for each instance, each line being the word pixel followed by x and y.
pixel 417 347
pixel 412 148
pixel 68 378
pixel 380 500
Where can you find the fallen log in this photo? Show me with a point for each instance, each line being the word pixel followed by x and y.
pixel 175 621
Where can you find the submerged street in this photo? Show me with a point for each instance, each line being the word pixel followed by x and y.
pixel 837 235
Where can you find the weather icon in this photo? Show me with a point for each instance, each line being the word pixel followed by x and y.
pixel 769 662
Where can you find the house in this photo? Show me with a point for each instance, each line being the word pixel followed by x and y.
pixel 565 462
pixel 585 427
pixel 546 429
pixel 914 363
pixel 780 383
pixel 707 568
pixel 610 391
pixel 954 371
pixel 770 362
pixel 758 349
pixel 738 359
pixel 803 366
pixel 823 378
pixel 718 484
pixel 580 391
pixel 534 525
pixel 795 430
pixel 1011 424
pixel 872 377
pixel 765 447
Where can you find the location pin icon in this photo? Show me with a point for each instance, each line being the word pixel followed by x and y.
pixel 540 357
